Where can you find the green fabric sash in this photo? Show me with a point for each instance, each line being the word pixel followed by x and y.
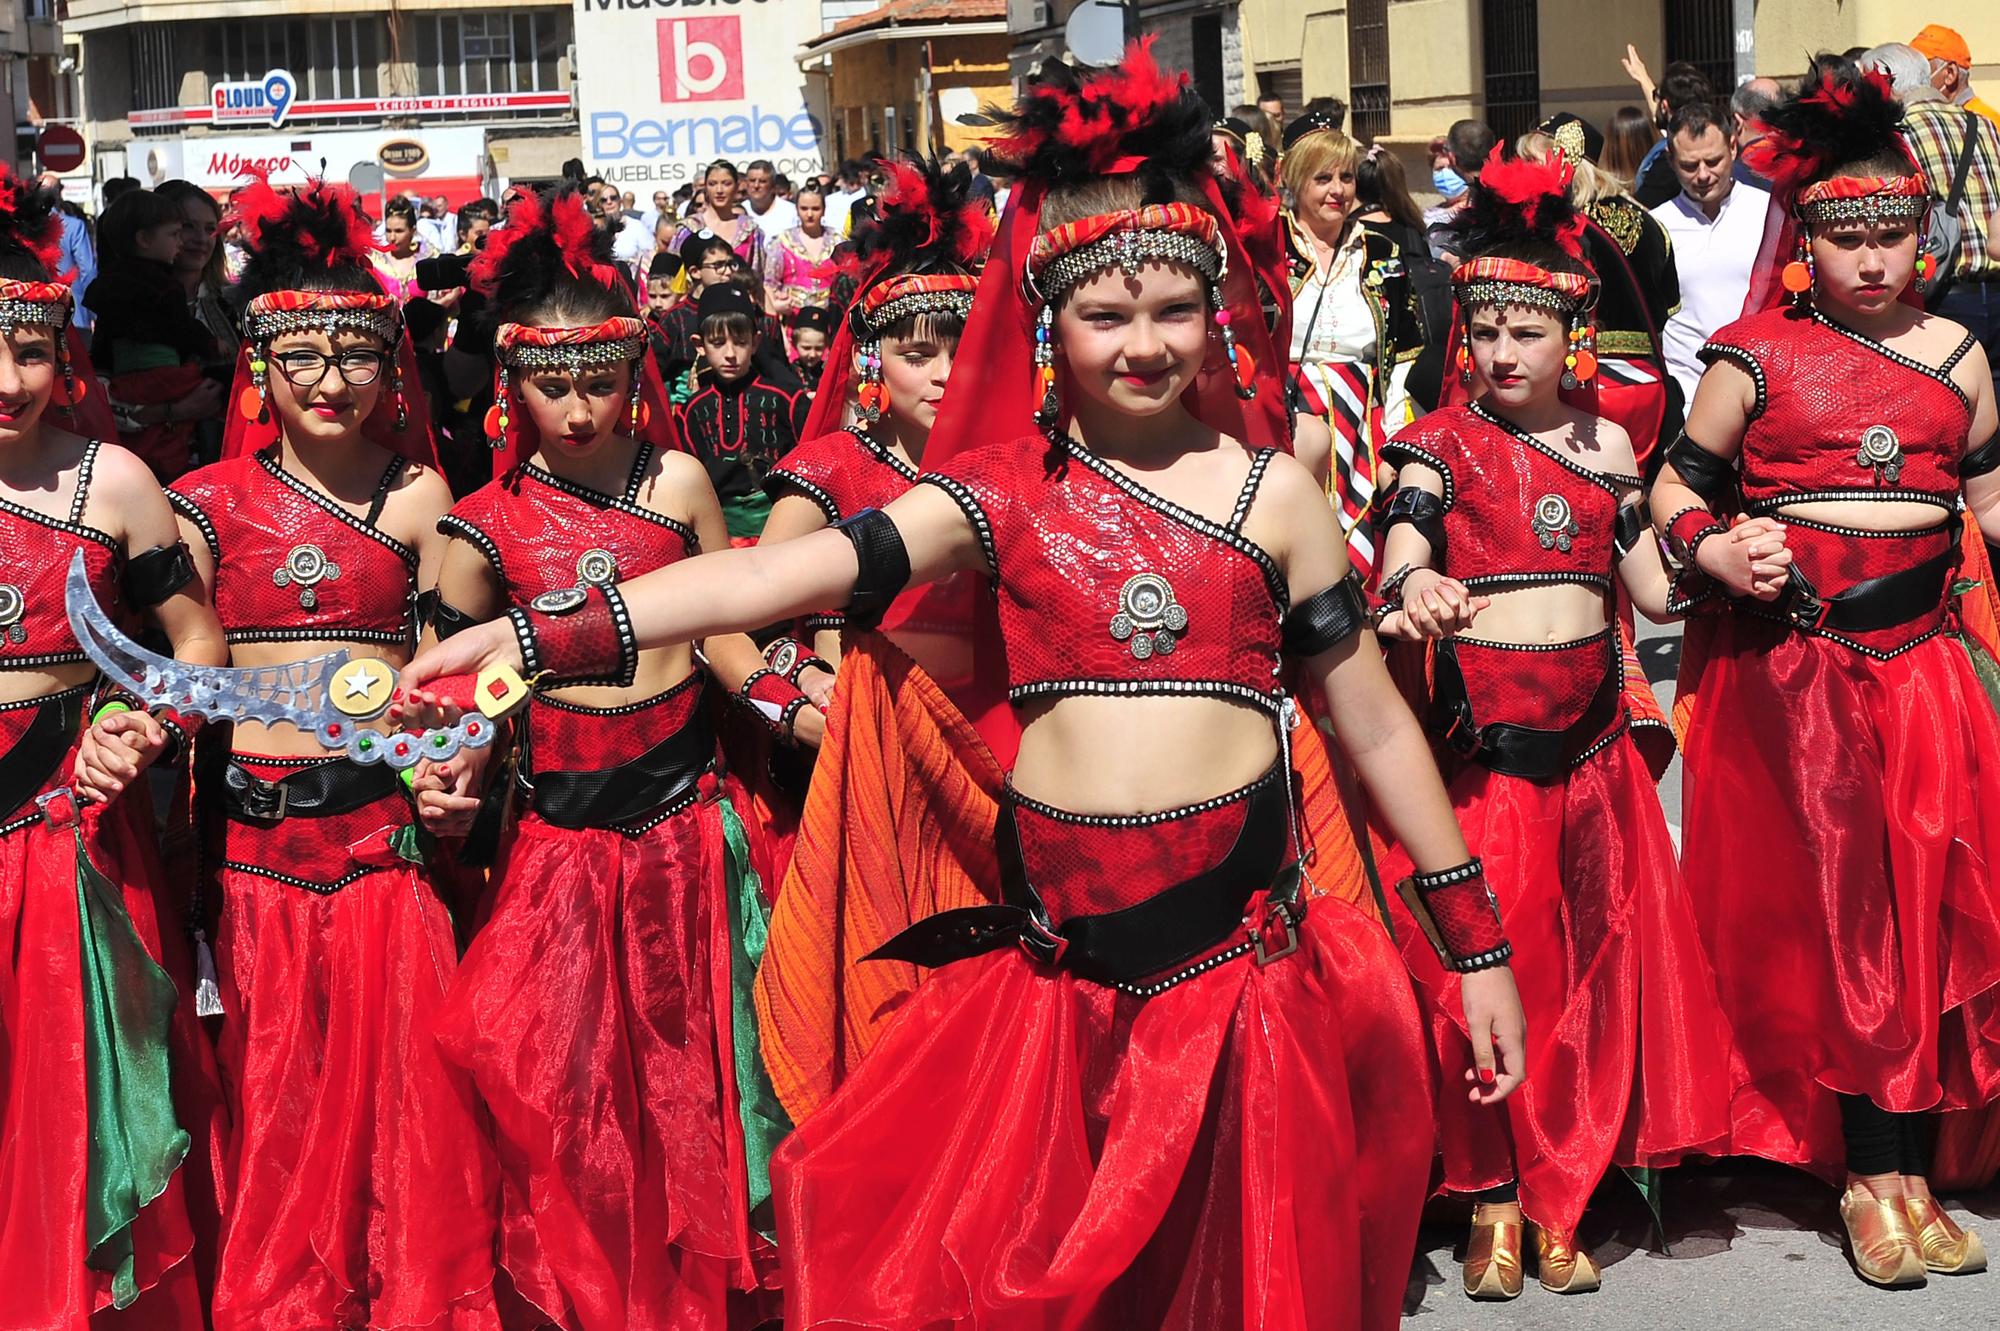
pixel 764 1121
pixel 135 1143
pixel 745 515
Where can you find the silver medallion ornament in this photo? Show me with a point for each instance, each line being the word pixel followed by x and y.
pixel 596 568
pixel 1149 617
pixel 560 601
pixel 1554 525
pixel 1881 452
pixel 13 606
pixel 305 568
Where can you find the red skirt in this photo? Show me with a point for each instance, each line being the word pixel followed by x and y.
pixel 1842 847
pixel 594 1011
pixel 46 1169
pixel 1629 1052
pixel 1024 1149
pixel 361 1183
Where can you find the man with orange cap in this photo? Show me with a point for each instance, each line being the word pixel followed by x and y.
pixel 1951 69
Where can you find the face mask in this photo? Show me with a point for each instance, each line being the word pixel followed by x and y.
pixel 1447 182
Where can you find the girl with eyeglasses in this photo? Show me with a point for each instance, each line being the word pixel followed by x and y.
pixel 360 1183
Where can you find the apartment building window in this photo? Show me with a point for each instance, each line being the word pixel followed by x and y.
pixel 1703 33
pixel 1368 66
pixel 330 57
pixel 1287 83
pixel 486 53
pixel 1510 43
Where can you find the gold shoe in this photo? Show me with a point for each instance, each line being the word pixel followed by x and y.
pixel 1493 1259
pixel 1880 1239
pixel 1564 1268
pixel 1947 1249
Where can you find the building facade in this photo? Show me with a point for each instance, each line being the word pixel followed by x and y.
pixel 450 99
pixel 899 75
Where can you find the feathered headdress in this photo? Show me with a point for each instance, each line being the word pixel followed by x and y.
pixel 28 223
pixel 1070 127
pixel 550 242
pixel 549 239
pixel 1844 115
pixel 311 270
pixel 1521 202
pixel 922 256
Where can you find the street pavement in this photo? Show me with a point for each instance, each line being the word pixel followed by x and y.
pixel 1750 1246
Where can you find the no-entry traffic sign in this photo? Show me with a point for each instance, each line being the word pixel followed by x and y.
pixel 60 149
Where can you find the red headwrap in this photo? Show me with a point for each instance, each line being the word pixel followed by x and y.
pixel 516 350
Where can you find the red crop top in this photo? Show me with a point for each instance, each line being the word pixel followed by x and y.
pixel 1840 416
pixel 541 532
pixel 1515 510
pixel 1108 588
pixel 292 564
pixel 35 552
pixel 843 472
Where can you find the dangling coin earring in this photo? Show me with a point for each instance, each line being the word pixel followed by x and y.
pixel 1464 363
pixel 637 413
pixel 1926 272
pixel 1045 368
pixel 396 387
pixel 252 404
pixel 873 395
pixel 1580 363
pixel 70 391
pixel 496 415
pixel 1240 360
pixel 1798 274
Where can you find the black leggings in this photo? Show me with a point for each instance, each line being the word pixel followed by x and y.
pixel 1881 1142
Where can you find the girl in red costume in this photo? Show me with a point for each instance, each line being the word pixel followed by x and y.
pixel 1843 765
pixel 864 448
pixel 360 1184
pixel 94 1224
pixel 1513 519
pixel 602 1010
pixel 1155 1089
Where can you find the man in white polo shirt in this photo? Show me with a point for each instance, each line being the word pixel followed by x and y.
pixel 1716 224
pixel 774 216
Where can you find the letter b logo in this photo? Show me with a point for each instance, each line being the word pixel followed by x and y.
pixel 701 60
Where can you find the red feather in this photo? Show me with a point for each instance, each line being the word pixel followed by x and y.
pixel 909 194
pixel 1093 118
pixel 1530 188
pixel 1841 118
pixel 29 220
pixel 323 221
pixel 525 217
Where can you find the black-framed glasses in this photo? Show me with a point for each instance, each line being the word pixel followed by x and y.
pixel 730 265
pixel 303 369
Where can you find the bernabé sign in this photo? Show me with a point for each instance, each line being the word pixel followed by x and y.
pixel 716 85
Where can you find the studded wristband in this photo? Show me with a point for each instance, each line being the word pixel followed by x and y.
pixel 774 700
pixel 1457 912
pixel 1686 530
pixel 576 635
pixel 792 658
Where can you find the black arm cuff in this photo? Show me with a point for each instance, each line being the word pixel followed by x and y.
pixel 1981 460
pixel 1632 528
pixel 1326 618
pixel 885 564
pixel 442 615
pixel 1422 510
pixel 152 577
pixel 1701 471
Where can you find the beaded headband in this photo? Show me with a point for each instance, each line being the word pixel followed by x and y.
pixel 1176 232
pixel 278 312
pixel 909 294
pixel 41 304
pixel 1867 199
pixel 531 347
pixel 1497 281
pixel 1321 121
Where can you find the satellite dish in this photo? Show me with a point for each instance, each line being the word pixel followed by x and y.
pixel 1095 33
pixel 365 177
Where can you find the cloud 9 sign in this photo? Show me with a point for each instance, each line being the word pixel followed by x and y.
pixel 263 101
pixel 664 92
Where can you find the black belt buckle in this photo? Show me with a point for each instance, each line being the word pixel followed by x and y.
pixel 265 801
pixel 1282 912
pixel 1806 610
pixel 1040 941
pixel 1462 737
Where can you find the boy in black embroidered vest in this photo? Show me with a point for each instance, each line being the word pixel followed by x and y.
pixel 812 330
pixel 739 423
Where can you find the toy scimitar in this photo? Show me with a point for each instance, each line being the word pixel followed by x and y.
pixel 329 697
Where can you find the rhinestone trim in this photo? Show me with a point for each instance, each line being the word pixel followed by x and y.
pixel 1127 250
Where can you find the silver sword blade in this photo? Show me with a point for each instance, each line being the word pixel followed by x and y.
pixel 293 693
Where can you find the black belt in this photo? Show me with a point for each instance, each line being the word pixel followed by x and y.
pixel 320 791
pixel 1121 947
pixel 32 759
pixel 657 779
pixel 1512 750
pixel 1878 603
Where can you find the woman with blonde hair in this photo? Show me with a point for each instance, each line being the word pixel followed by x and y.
pixel 1355 324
